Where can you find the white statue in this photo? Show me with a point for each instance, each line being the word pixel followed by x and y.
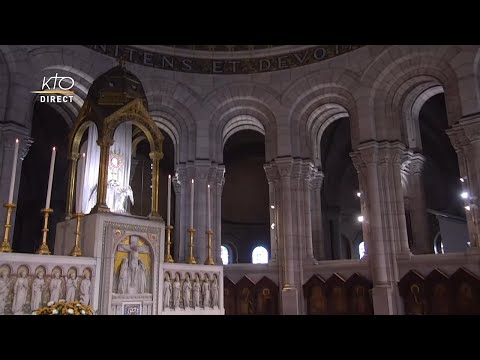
pixel 167 291
pixel 142 277
pixel 176 292
pixel 214 291
pixel 196 292
pixel 37 291
pixel 134 256
pixel 187 291
pixel 206 292
pixel 85 289
pixel 123 277
pixel 20 290
pixel 4 287
pixel 71 285
pixel 55 286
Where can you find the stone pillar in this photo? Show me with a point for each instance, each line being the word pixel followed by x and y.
pixel 180 226
pixel 308 174
pixel 202 169
pixel 218 180
pixel 384 225
pixel 156 157
pixel 333 218
pixel 318 235
pixel 8 134
pixel 422 241
pixel 273 187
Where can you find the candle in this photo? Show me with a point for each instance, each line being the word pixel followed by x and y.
pixel 50 179
pixel 192 196
pixel 169 198
pixel 14 172
pixel 208 210
pixel 82 177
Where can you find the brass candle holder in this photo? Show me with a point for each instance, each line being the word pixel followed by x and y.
pixel 169 258
pixel 43 250
pixel 5 246
pixel 77 251
pixel 191 258
pixel 209 260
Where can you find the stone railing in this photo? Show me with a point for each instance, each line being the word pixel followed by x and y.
pixel 446 263
pixel 29 281
pixel 343 268
pixel 191 289
pixel 254 272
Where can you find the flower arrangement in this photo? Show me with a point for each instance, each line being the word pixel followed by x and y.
pixel 63 307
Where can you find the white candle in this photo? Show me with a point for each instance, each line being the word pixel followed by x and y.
pixel 208 210
pixel 169 198
pixel 192 196
pixel 82 180
pixel 14 172
pixel 50 179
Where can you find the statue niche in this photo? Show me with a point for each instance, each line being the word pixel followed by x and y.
pixel 132 267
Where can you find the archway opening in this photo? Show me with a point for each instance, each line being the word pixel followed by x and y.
pixel 49 130
pixel 245 199
pixel 340 202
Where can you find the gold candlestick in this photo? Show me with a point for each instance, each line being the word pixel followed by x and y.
pixel 191 258
pixel 169 258
pixel 77 251
pixel 5 246
pixel 43 250
pixel 209 260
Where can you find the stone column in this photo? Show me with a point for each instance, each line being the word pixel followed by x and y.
pixel 156 157
pixel 308 174
pixel 333 217
pixel 318 235
pixel 8 134
pixel 180 226
pixel 384 226
pixel 202 169
pixel 422 241
pixel 273 185
pixel 218 180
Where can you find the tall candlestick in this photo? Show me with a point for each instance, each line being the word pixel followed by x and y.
pixel 50 179
pixel 80 185
pixel 169 198
pixel 192 196
pixel 14 172
pixel 208 210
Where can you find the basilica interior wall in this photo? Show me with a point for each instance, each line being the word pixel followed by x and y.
pixel 319 112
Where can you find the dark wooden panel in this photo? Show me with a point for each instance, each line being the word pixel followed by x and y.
pixel 266 295
pixel 412 290
pixel 336 291
pixel 465 289
pixel 314 294
pixel 229 296
pixel 438 293
pixel 359 298
pixel 244 296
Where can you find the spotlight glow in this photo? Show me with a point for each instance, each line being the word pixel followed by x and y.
pixel 360 218
pixel 462 179
pixel 272 206
pixel 467 207
pixel 359 194
pixel 464 195
pixel 273 226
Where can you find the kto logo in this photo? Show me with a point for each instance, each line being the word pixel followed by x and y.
pixel 59 85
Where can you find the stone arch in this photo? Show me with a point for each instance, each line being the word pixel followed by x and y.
pixel 239 104
pixel 390 85
pixel 312 100
pixel 172 107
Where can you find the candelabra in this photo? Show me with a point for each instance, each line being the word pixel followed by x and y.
pixel 43 250
pixel 5 246
pixel 169 258
pixel 77 251
pixel 209 260
pixel 191 258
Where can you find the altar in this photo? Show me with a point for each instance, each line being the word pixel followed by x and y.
pixel 104 256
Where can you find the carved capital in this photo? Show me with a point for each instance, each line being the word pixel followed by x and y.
pixel 202 172
pixel 105 142
pixel 220 175
pixel 155 155
pixel 458 138
pixel 308 171
pixel 417 164
pixel 272 172
pixel 74 156
pixel 317 179
pixel 285 167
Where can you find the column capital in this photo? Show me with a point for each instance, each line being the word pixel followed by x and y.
pixel 155 155
pixel 317 179
pixel 308 170
pixel 104 142
pixel 272 172
pixel 284 166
